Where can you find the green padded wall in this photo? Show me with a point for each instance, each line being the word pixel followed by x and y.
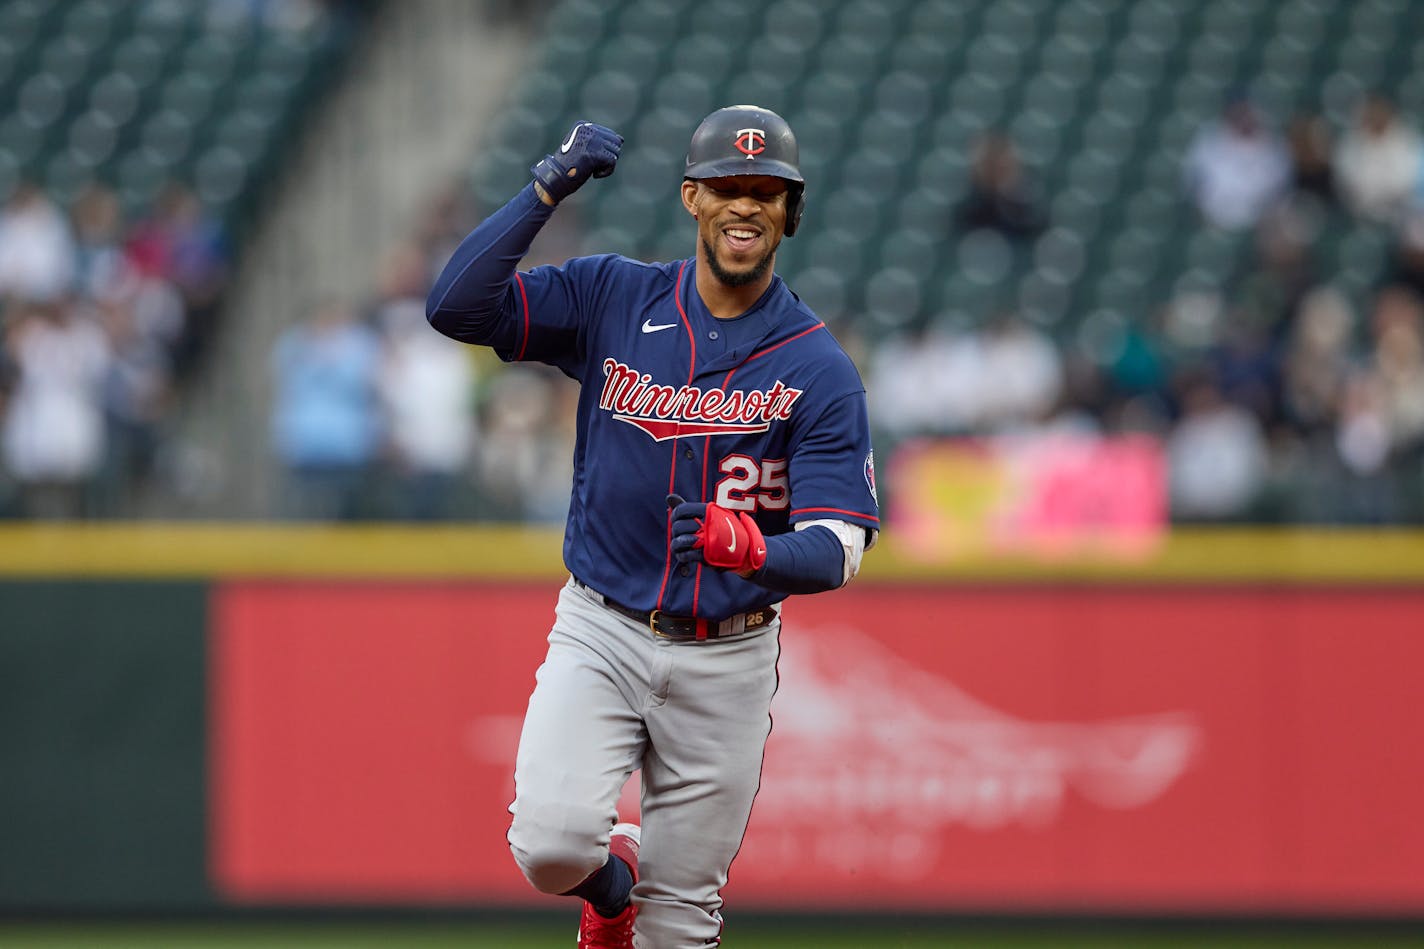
pixel 102 737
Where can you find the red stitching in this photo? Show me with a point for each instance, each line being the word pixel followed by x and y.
pixel 672 470
pixel 834 510
pixel 524 296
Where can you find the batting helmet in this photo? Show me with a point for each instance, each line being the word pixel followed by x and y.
pixel 749 140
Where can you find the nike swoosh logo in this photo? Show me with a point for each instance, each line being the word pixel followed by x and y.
pixel 732 545
pixel 569 142
pixel 650 327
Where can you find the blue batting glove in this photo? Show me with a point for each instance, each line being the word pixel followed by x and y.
pixel 590 151
pixel 687 520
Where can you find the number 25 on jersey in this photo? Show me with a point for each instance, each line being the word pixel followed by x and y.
pixel 748 483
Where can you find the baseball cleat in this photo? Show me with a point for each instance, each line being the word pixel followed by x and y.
pixel 600 932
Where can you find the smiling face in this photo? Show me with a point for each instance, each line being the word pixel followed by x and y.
pixel 740 222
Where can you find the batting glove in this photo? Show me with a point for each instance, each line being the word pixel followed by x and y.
pixel 590 151
pixel 711 534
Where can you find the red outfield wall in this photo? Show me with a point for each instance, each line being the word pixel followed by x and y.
pixel 1173 748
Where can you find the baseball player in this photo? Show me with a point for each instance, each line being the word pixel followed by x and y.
pixel 722 461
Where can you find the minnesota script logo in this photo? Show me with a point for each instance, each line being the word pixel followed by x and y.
pixel 665 411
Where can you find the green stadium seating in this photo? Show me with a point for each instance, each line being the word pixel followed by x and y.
pixel 135 94
pixel 1102 97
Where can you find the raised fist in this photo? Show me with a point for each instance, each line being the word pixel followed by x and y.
pixel 590 151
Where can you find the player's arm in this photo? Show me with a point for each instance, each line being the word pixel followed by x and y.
pixel 474 300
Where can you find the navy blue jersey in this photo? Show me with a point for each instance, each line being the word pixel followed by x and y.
pixel 763 413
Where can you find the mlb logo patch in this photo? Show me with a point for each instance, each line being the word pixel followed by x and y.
pixel 870 476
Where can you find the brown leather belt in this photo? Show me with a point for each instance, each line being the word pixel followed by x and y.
pixel 687 627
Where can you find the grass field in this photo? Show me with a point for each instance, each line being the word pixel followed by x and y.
pixel 758 934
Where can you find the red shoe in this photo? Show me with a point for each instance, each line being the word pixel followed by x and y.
pixel 600 932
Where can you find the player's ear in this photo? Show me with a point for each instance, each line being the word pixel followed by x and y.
pixel 689 196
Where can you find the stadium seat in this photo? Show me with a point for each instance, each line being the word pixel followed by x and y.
pixel 893 299
pixel 136 94
pixel 1101 98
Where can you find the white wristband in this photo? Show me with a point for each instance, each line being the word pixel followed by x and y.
pixel 852 538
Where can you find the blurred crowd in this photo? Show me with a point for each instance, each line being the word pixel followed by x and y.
pixel 101 321
pixel 378 416
pixel 1277 395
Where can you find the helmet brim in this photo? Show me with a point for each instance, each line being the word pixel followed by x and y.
pixel 736 167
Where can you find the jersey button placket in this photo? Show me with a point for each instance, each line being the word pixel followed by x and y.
pixel 687 452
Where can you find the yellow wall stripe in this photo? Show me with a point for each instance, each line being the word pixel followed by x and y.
pixel 193 549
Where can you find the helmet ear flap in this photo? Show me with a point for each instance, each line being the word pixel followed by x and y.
pixel 795 204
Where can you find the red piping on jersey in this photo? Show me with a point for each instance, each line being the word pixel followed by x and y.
pixel 706 455
pixel 672 470
pixel 524 297
pixel 707 440
pixel 762 352
pixel 810 510
pixel 834 510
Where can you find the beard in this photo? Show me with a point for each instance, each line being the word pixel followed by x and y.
pixel 738 278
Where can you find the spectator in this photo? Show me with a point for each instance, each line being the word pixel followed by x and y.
pixel 525 461
pixel 427 388
pixel 1312 165
pixel 1001 197
pixel 1378 161
pixel 180 245
pixel 98 234
pixel 1316 361
pixel 1021 372
pixel 53 428
pixel 925 383
pixel 1370 489
pixel 326 417
pixel 1236 167
pixel 1216 456
pixel 1362 435
pixel 1398 358
pixel 1244 368
pixel 1138 369
pixel 1407 265
pixel 1283 271
pixel 136 398
pixel 37 255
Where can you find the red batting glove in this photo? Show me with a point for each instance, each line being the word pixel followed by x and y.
pixel 731 540
pixel 707 533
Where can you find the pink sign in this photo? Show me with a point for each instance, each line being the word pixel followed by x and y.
pixel 1049 495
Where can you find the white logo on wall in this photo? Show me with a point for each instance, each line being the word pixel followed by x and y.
pixel 948 758
pixel 862 738
pixel 867 749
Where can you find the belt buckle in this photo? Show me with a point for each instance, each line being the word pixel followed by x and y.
pixel 653 624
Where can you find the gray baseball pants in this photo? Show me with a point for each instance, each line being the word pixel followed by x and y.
pixel 610 698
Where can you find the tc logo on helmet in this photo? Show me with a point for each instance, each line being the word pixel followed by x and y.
pixel 750 142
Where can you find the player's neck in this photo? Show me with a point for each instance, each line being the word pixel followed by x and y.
pixel 723 300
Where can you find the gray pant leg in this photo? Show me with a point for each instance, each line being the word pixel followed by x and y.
pixel 583 736
pixel 700 774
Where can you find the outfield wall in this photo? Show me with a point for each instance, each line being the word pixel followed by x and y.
pixel 199 716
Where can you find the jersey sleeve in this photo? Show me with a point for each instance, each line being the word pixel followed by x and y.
pixel 552 308
pixel 832 471
pixel 479 297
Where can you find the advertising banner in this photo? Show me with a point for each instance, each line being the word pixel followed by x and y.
pixel 1052 495
pixel 1100 749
